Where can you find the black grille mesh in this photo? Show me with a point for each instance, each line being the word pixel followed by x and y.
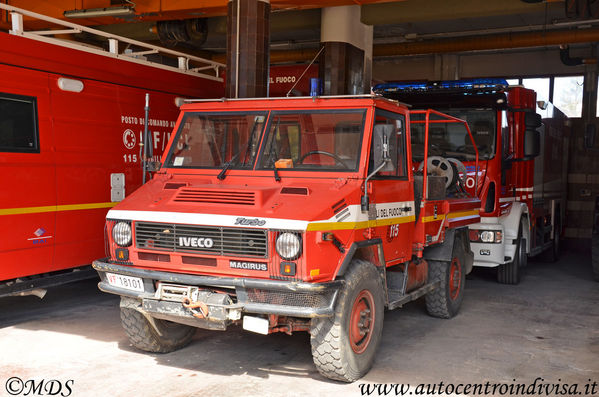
pixel 299 299
pixel 180 238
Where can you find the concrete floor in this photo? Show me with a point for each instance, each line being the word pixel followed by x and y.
pixel 548 326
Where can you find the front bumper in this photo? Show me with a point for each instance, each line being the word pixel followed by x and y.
pixel 284 298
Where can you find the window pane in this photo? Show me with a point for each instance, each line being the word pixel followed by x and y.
pixel 513 81
pixel 324 140
pixel 213 140
pixel 541 87
pixel 567 95
pixel 18 124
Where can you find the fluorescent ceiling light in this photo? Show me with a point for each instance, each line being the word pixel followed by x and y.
pixel 100 12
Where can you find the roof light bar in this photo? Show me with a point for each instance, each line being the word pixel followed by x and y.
pixel 447 85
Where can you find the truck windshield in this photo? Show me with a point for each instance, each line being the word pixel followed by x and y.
pixel 452 140
pixel 323 140
pixel 213 140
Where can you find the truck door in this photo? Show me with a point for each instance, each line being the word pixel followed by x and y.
pixel 28 194
pixel 392 195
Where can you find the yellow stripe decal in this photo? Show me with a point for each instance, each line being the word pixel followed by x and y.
pixel 358 225
pixel 462 214
pixel 55 208
pixel 433 218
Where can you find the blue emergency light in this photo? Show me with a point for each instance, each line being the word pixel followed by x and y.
pixel 462 85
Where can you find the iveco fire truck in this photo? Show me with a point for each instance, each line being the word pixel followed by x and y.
pixel 522 174
pixel 291 214
pixel 71 122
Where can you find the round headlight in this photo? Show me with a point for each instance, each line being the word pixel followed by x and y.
pixel 289 246
pixel 121 233
pixel 487 237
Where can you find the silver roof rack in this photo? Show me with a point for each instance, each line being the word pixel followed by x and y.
pixel 372 96
pixel 187 64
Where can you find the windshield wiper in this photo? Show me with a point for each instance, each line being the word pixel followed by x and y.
pixel 222 174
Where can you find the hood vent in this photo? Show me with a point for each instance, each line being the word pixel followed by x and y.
pixel 216 196
pixel 174 185
pixel 302 191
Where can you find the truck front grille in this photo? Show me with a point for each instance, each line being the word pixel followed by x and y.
pixel 299 299
pixel 202 239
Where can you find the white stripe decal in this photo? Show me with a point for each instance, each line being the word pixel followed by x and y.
pixel 506 199
pixel 524 189
pixel 203 219
pixel 353 214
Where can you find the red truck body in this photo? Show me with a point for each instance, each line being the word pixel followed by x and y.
pixel 290 214
pixel 523 167
pixel 69 119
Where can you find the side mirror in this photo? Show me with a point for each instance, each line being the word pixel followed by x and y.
pixel 589 136
pixel 385 143
pixel 532 120
pixel 532 143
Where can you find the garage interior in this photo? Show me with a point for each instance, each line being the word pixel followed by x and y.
pixel 545 327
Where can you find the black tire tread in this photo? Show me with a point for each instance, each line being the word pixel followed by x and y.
pixel 144 337
pixel 326 338
pixel 436 303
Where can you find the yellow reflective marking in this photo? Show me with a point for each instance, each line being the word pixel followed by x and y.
pixel 462 214
pixel 55 208
pixel 318 226
pixel 433 218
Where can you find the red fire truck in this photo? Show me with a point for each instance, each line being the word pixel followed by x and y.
pixel 71 121
pixel 523 172
pixel 290 214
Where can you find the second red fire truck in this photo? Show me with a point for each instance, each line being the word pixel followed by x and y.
pixel 522 174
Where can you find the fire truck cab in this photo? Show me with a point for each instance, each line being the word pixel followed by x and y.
pixel 522 173
pixel 291 214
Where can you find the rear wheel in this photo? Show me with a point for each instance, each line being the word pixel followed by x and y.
pixel 445 301
pixel 165 337
pixel 343 346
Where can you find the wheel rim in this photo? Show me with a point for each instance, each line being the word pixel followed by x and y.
pixel 455 279
pixel 361 321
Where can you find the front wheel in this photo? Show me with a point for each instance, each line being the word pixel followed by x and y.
pixel 344 345
pixel 161 337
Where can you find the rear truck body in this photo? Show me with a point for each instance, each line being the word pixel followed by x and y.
pixel 289 214
pixel 522 172
pixel 71 124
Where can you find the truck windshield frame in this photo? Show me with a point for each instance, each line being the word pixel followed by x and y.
pixel 213 140
pixel 327 140
pixel 457 144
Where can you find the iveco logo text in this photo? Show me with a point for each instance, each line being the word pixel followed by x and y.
pixel 196 242
pixel 248 265
pixel 250 222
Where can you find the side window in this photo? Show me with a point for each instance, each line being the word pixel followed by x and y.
pixel 399 157
pixel 18 124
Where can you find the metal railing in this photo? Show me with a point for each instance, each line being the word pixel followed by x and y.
pixel 187 64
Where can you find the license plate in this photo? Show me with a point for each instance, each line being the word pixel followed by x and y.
pixel 130 283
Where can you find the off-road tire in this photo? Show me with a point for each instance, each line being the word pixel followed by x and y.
pixel 335 355
pixel 445 300
pixel 595 255
pixel 511 273
pixel 143 336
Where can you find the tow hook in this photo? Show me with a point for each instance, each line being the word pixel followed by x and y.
pixel 201 306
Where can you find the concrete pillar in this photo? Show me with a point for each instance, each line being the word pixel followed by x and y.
pixel 345 66
pixel 447 67
pixel 248 39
